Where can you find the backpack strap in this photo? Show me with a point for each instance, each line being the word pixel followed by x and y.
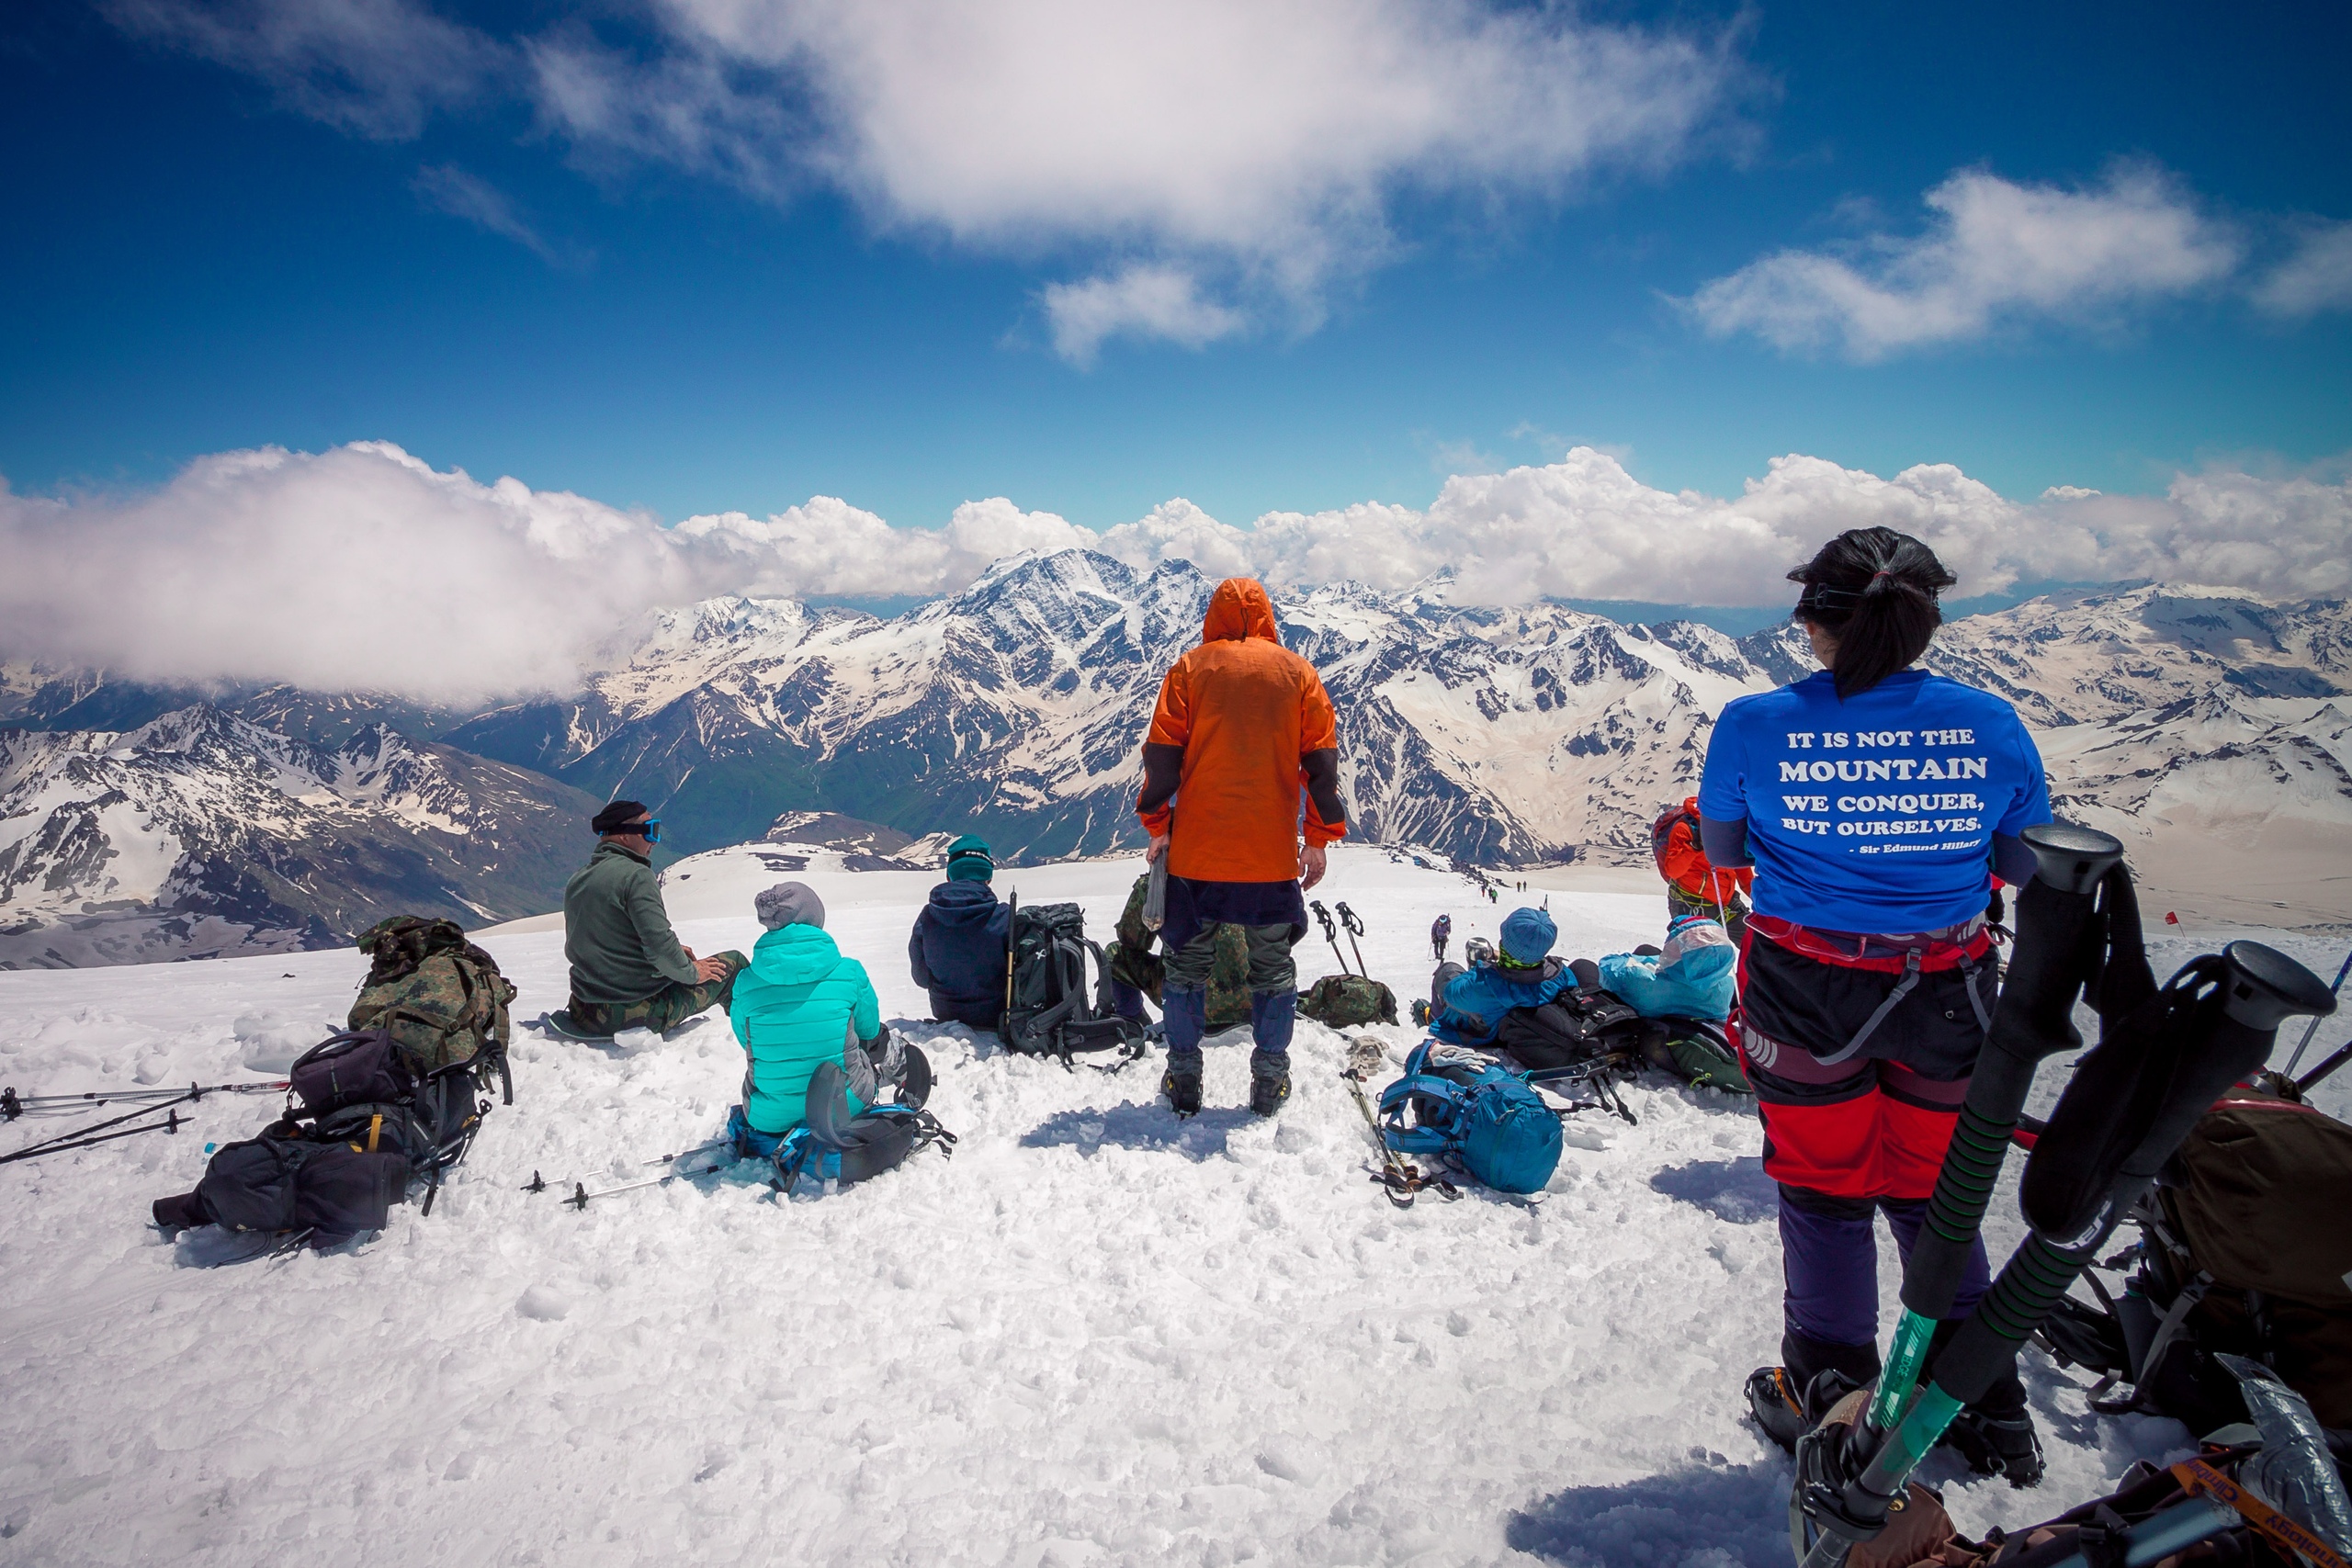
pixel 1421 1093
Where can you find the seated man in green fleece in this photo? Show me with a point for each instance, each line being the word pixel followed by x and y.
pixel 627 970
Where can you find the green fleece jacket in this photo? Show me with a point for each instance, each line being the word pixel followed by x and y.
pixel 615 932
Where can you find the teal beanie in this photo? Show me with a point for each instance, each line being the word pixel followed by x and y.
pixel 968 860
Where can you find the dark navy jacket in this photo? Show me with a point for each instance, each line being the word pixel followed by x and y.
pixel 957 953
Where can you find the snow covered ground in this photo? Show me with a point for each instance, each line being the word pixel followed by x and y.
pixel 1093 1336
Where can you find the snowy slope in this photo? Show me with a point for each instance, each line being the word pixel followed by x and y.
pixel 1093 1336
pixel 201 833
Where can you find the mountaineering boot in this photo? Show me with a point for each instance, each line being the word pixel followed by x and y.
pixel 2003 1444
pixel 1789 1399
pixel 1182 1085
pixel 1272 1017
pixel 1186 1015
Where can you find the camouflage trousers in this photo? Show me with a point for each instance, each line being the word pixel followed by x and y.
pixel 665 1009
pixel 1228 977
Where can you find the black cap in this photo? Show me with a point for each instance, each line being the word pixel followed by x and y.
pixel 616 818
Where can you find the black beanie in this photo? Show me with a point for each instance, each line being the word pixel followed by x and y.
pixel 617 816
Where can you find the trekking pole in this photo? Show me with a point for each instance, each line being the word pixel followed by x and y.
pixel 2312 1028
pixel 1332 935
pixel 2061 930
pixel 94 1132
pixel 1354 924
pixel 1011 932
pixel 2130 1103
pixel 539 1184
pixel 13 1105
pixel 2310 1080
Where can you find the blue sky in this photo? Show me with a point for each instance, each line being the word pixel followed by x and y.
pixel 216 243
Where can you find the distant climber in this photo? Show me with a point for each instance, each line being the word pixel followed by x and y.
pixel 1241 725
pixel 628 968
pixel 958 950
pixel 1441 933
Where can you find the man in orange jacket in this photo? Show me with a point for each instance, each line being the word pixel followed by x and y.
pixel 1242 724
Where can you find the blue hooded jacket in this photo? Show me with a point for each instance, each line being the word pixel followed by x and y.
pixel 957 953
pixel 1477 1000
pixel 1695 976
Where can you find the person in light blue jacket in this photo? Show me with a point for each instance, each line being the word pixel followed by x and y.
pixel 1695 976
pixel 801 1005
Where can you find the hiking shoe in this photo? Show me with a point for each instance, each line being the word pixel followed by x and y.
pixel 1183 1091
pixel 1775 1403
pixel 1267 1093
pixel 1787 1414
pixel 1997 1445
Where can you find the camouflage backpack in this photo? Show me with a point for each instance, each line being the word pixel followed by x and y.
pixel 440 997
pixel 1132 961
pixel 1342 1000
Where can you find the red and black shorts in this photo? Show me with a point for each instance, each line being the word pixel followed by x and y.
pixel 1869 1121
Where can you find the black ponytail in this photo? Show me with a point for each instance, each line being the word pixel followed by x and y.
pixel 1875 590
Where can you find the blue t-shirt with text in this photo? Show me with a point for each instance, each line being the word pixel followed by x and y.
pixel 1874 814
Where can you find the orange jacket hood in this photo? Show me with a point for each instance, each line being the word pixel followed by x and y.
pixel 1239 608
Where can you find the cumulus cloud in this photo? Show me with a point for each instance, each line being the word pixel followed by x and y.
pixel 1996 251
pixel 364 568
pixel 1256 145
pixel 376 68
pixel 361 567
pixel 2317 277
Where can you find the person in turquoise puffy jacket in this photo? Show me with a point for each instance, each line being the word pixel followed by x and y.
pixel 801 1004
pixel 1695 976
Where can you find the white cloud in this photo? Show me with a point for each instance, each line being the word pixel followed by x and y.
pixel 1996 251
pixel 364 568
pixel 1144 301
pixel 377 68
pixel 2317 277
pixel 1256 145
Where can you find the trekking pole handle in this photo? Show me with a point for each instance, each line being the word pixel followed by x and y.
pixel 2267 987
pixel 1330 932
pixel 1351 920
pixel 2305 1043
pixel 2071 859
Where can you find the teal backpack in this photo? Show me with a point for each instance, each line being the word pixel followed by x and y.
pixel 1479 1117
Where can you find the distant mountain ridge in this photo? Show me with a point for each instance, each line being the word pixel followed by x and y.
pixel 201 833
pixel 2196 723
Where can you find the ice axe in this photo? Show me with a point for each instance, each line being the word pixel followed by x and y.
pixel 1354 924
pixel 1331 934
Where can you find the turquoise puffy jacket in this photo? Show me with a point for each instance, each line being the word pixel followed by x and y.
pixel 799 1003
pixel 1696 976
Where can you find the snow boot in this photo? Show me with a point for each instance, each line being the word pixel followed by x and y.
pixel 1182 1083
pixel 1268 1090
pixel 2002 1444
pixel 1789 1399
pixel 1273 1015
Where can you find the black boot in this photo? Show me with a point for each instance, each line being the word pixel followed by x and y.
pixel 1182 1085
pixel 1789 1399
pixel 1994 1435
pixel 1268 1090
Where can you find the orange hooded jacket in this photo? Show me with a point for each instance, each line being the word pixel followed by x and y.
pixel 1242 723
pixel 1674 843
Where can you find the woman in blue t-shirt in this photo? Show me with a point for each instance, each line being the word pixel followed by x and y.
pixel 1876 801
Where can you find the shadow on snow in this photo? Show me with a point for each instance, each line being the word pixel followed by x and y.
pixel 1734 1190
pixel 1713 1516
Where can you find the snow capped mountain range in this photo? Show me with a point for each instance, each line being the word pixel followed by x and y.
pixel 2202 725
pixel 204 833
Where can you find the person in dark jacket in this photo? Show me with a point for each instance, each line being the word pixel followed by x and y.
pixel 628 968
pixel 958 950
pixel 1441 933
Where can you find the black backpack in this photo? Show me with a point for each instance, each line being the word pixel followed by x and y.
pixel 1052 1013
pixel 361 1124
pixel 1577 1026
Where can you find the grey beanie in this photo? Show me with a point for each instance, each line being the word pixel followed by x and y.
pixel 790 904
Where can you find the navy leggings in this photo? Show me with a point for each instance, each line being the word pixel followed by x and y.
pixel 1830 1254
